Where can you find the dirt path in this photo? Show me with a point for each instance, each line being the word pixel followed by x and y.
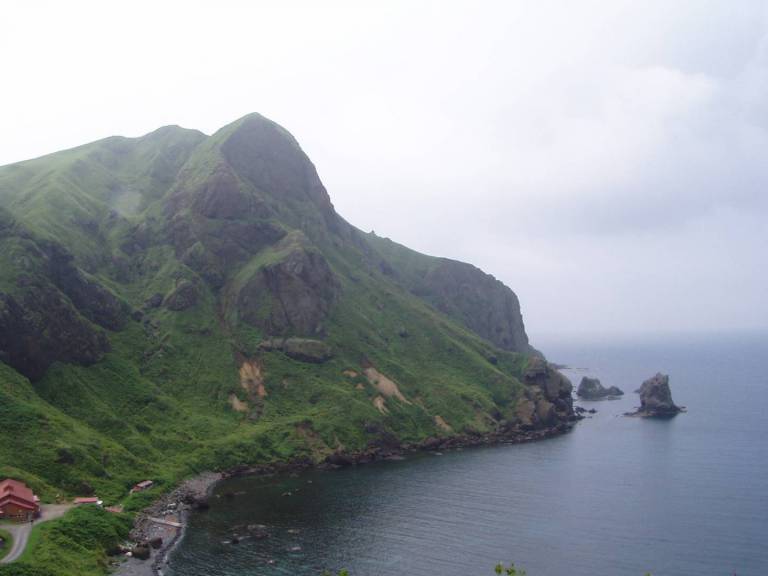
pixel 20 532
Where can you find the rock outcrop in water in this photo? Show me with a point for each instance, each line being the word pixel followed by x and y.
pixel 547 398
pixel 592 389
pixel 656 398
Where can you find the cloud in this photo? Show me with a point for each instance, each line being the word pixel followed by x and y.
pixel 608 160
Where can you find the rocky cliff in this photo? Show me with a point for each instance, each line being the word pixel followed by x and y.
pixel 49 309
pixel 465 293
pixel 548 399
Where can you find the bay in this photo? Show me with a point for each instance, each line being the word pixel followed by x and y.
pixel 617 496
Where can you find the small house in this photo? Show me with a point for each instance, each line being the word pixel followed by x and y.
pixel 17 501
pixel 88 500
pixel 143 485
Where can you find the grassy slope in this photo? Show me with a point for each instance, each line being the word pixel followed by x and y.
pixel 157 405
pixel 412 266
pixel 68 196
pixel 7 543
pixel 75 544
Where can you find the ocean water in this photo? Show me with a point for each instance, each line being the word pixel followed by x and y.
pixel 617 496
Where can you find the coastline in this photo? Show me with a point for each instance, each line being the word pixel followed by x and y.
pixel 192 494
pixel 173 507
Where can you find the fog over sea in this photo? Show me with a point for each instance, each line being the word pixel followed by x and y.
pixel 618 496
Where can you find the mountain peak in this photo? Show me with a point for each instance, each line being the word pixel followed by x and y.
pixel 253 131
pixel 267 160
pixel 173 131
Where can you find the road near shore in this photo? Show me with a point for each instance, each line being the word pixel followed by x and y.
pixel 20 532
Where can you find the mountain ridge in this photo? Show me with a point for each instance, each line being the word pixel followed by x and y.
pixel 154 279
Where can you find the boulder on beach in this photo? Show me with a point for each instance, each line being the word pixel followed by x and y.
pixel 140 552
pixel 656 398
pixel 339 459
pixel 592 389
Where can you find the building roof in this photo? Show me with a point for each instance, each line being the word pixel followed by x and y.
pixel 86 500
pixel 144 484
pixel 18 493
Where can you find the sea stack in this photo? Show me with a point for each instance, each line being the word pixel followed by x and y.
pixel 656 398
pixel 592 389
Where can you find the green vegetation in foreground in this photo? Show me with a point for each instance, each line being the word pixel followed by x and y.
pixel 76 543
pixel 7 543
pixel 17 569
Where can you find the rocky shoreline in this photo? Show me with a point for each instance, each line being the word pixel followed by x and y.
pixel 160 527
pixel 159 539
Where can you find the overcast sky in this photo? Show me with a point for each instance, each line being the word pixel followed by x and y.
pixel 606 160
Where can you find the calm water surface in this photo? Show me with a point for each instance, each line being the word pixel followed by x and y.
pixel 618 496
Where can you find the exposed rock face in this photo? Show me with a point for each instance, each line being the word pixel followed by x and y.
pixel 656 398
pixel 268 158
pixel 153 301
pixel 223 196
pixel 90 298
pixel 215 220
pixel 255 184
pixel 211 246
pixel 548 400
pixel 292 296
pixel 302 349
pixel 483 303
pixel 184 296
pixel 465 293
pixel 592 389
pixel 54 310
pixel 45 328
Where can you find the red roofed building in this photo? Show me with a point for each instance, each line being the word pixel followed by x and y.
pixel 17 501
pixel 145 485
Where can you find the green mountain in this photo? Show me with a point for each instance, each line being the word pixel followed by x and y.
pixel 180 302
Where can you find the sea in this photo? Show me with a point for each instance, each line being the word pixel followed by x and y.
pixel 617 496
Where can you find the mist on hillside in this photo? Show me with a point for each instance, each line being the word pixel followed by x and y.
pixel 605 161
